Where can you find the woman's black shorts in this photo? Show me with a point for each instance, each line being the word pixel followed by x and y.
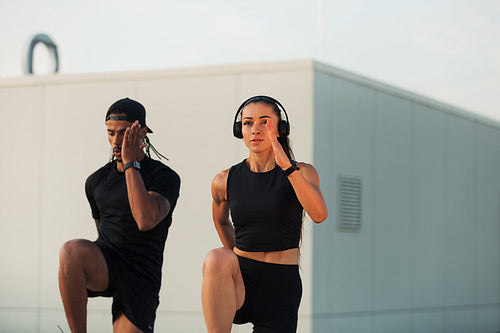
pixel 136 298
pixel 272 296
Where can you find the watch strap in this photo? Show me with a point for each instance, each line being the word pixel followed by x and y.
pixel 292 168
pixel 132 164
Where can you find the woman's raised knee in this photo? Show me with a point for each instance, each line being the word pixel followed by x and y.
pixel 220 261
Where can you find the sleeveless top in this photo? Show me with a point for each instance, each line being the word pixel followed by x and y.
pixel 266 214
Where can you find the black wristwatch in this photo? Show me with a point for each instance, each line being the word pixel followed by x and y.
pixel 133 164
pixel 292 168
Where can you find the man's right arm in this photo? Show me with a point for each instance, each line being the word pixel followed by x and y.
pixel 89 193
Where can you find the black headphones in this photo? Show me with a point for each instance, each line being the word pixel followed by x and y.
pixel 283 125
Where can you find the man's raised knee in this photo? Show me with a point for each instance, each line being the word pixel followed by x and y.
pixel 72 250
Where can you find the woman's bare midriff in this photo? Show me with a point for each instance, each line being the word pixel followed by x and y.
pixel 285 257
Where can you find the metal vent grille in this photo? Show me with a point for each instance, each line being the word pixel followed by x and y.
pixel 349 202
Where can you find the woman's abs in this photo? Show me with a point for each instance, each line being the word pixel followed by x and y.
pixel 285 257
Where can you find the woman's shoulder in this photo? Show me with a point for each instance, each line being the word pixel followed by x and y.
pixel 309 171
pixel 305 165
pixel 219 185
pixel 221 176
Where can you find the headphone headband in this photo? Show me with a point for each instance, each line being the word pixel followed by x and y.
pixel 283 125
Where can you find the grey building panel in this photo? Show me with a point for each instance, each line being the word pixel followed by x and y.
pixel 392 203
pixel 322 293
pixel 487 220
pixel 459 261
pixel 432 211
pixel 427 206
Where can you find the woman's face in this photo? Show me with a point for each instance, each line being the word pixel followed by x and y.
pixel 253 125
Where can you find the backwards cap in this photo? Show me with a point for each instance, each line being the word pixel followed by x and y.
pixel 133 111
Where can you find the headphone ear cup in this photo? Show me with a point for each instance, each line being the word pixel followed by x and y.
pixel 283 128
pixel 237 130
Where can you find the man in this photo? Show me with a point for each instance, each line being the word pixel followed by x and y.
pixel 132 199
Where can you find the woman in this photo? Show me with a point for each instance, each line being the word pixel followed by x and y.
pixel 255 276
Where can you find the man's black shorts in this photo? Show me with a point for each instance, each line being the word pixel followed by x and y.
pixel 272 296
pixel 132 296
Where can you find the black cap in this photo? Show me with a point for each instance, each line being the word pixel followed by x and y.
pixel 132 109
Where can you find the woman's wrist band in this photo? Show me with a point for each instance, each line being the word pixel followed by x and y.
pixel 292 168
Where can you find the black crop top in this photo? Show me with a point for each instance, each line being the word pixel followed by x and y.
pixel 266 214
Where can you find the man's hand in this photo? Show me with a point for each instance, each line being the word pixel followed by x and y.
pixel 133 143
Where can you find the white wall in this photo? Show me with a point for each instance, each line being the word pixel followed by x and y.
pixel 54 137
pixel 427 257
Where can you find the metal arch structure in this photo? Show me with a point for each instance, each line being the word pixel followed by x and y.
pixel 49 43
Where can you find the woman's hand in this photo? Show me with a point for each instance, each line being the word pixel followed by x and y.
pixel 279 154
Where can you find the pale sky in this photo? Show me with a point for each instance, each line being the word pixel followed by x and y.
pixel 448 50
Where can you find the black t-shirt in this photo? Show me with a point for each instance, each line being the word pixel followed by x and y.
pixel 106 190
pixel 266 214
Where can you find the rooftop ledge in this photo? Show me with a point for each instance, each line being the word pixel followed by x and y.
pixel 242 68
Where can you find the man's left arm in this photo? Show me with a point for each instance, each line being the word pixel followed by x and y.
pixel 148 207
